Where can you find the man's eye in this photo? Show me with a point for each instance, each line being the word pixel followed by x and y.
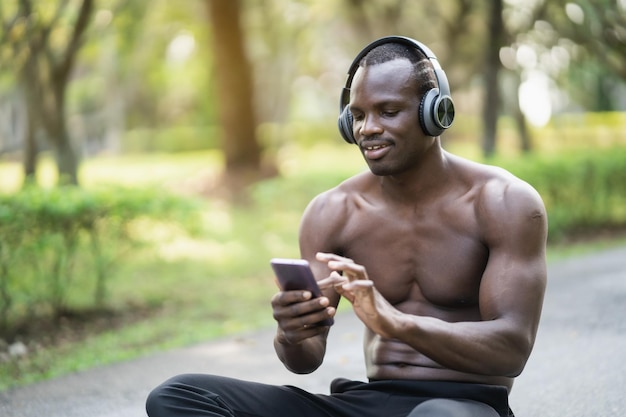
pixel 390 113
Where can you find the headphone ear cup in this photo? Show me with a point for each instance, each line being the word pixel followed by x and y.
pixel 345 123
pixel 427 114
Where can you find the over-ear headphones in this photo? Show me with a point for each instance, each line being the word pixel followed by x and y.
pixel 436 111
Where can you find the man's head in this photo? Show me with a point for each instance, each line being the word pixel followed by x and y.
pixel 436 110
pixel 422 69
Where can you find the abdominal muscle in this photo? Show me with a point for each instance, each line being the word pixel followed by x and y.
pixel 392 359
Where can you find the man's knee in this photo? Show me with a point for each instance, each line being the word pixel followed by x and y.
pixel 442 407
pixel 174 394
pixel 160 397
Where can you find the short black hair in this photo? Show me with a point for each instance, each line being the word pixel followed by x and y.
pixel 423 71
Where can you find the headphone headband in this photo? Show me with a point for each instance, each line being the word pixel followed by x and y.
pixel 436 110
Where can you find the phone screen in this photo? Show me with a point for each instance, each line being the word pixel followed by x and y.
pixel 296 274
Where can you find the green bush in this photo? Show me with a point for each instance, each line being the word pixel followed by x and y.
pixel 64 241
pixel 583 191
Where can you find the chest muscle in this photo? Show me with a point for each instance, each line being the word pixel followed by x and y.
pixel 435 259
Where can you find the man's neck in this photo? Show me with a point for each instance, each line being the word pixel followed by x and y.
pixel 427 178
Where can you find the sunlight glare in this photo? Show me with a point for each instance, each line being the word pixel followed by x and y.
pixel 507 57
pixel 575 13
pixel 181 48
pixel 534 99
pixel 526 57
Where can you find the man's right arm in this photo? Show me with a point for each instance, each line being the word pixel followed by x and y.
pixel 304 356
pixel 299 343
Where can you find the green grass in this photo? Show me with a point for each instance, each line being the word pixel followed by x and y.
pixel 206 286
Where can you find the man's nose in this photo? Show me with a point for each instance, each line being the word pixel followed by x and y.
pixel 370 126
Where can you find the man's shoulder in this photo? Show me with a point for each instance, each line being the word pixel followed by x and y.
pixel 505 203
pixel 335 204
pixel 353 186
pixel 500 194
pixel 493 179
pixel 504 186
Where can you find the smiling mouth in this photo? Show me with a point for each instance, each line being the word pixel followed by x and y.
pixel 374 147
pixel 375 152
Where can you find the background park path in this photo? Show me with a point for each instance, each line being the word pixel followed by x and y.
pixel 578 366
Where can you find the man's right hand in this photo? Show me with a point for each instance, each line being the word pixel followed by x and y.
pixel 297 315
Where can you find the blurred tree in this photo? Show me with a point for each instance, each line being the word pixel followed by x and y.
pixel 597 28
pixel 580 45
pixel 45 40
pixel 114 67
pixel 371 19
pixel 463 20
pixel 275 32
pixel 163 75
pixel 492 66
pixel 234 93
pixel 467 61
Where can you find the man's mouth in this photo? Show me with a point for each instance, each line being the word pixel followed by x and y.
pixel 375 151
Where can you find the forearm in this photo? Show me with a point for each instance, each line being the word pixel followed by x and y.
pixel 482 347
pixel 300 358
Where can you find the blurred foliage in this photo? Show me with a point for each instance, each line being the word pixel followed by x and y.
pixel 58 245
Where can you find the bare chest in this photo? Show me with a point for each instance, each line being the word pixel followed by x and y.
pixel 434 258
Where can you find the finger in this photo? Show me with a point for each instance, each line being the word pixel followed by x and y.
pixel 333 280
pixel 295 315
pixel 299 328
pixel 326 257
pixel 357 289
pixel 314 320
pixel 349 269
pixel 284 298
pixel 359 285
pixel 344 293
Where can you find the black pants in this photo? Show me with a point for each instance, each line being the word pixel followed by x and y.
pixel 207 395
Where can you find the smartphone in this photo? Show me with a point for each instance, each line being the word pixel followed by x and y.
pixel 296 274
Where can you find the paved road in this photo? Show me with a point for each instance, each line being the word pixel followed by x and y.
pixel 577 368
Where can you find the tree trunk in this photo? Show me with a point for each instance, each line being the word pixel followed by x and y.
pixel 510 82
pixel 31 94
pixel 492 68
pixel 526 143
pixel 29 155
pixel 66 156
pixel 235 92
pixel 58 135
pixel 66 159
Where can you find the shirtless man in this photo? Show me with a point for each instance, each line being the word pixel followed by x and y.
pixel 442 259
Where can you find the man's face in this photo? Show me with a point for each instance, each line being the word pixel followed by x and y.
pixel 384 102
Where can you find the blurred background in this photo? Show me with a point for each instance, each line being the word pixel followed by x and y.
pixel 155 155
